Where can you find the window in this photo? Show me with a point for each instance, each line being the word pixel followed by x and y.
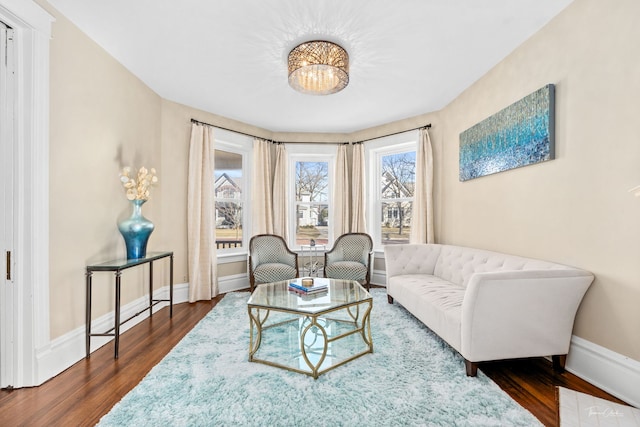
pixel 391 175
pixel 229 199
pixel 397 181
pixel 311 167
pixel 231 191
pixel 312 202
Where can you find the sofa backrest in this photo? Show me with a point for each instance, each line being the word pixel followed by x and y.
pixel 415 259
pixel 457 263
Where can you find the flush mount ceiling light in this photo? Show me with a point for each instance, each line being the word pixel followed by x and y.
pixel 318 68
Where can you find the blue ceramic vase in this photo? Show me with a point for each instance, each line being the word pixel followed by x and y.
pixel 136 231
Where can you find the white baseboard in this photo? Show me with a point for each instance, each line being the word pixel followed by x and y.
pixel 232 283
pixel 379 277
pixel 70 348
pixel 612 372
pixel 180 293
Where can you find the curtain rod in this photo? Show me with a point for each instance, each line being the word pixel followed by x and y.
pixel 230 130
pixel 427 126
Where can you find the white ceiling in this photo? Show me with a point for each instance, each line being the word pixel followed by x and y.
pixel 408 57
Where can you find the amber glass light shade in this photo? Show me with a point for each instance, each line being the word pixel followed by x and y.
pixel 318 68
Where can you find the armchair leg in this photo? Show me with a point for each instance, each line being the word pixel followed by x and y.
pixel 559 362
pixel 389 299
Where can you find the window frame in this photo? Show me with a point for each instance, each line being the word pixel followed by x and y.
pixel 309 152
pixel 237 143
pixel 375 150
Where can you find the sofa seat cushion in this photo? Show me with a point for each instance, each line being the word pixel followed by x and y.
pixel 274 272
pixel 346 270
pixel 434 301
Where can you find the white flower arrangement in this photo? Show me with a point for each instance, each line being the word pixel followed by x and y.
pixel 138 187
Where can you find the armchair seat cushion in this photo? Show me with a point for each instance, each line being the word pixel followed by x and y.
pixel 346 270
pixel 274 272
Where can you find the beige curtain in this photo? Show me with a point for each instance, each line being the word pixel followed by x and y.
pixel 422 220
pixel 358 202
pixel 201 241
pixel 261 209
pixel 280 197
pixel 341 218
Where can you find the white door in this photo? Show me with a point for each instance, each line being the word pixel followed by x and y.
pixel 6 206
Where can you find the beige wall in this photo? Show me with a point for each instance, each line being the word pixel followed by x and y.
pixel 102 118
pixel 576 208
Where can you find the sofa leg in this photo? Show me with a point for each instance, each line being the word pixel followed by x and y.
pixel 472 368
pixel 389 299
pixel 559 361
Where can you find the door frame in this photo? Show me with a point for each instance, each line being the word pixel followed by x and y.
pixel 30 324
pixel 7 222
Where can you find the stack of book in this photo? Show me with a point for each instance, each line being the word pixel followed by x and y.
pixel 308 286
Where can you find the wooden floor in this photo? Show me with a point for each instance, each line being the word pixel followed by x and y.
pixel 82 394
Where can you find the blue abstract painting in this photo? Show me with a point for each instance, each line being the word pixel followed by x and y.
pixel 519 135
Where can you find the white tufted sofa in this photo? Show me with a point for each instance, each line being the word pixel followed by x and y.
pixel 488 305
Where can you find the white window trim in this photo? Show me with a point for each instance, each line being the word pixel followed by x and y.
pixel 309 153
pixel 374 151
pixel 238 143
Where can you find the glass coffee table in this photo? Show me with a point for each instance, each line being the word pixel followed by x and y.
pixel 309 334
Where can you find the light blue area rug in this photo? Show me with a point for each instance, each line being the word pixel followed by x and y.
pixel 411 379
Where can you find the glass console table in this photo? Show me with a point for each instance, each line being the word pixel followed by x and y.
pixel 116 267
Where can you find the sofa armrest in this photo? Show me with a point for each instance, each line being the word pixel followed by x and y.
pixel 525 313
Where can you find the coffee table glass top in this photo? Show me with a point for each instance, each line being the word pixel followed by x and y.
pixel 339 293
pixel 309 334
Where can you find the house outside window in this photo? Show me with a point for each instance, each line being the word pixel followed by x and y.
pixel 231 191
pixel 229 207
pixel 391 182
pixel 229 199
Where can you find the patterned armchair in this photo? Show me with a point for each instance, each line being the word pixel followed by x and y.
pixel 270 260
pixel 350 258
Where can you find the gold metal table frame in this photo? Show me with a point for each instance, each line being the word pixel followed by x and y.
pixel 316 322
